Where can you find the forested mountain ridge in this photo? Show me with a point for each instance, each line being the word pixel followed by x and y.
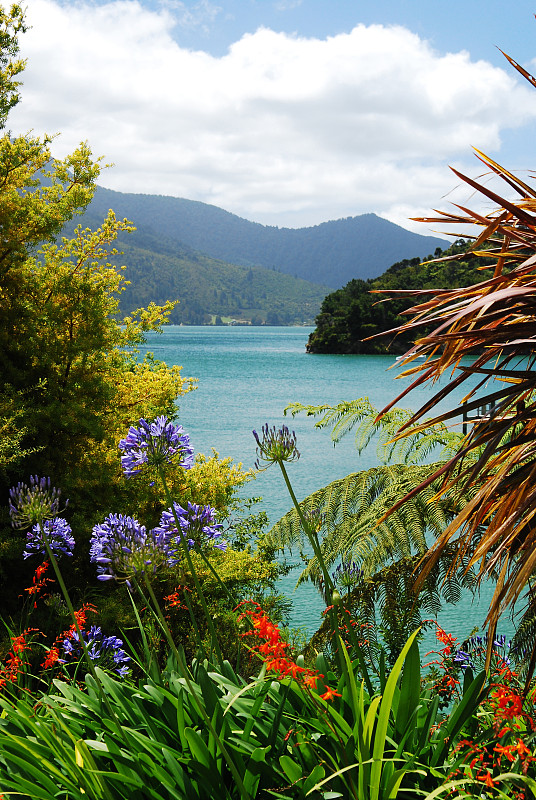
pixel 351 314
pixel 329 254
pixel 159 268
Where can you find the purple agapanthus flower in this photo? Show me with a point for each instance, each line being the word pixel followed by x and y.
pixel 275 446
pixel 106 651
pixel 347 574
pixel 58 535
pixel 34 502
pixel 463 660
pixel 154 444
pixel 197 525
pixel 474 650
pixel 122 548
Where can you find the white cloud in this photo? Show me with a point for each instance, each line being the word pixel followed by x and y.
pixel 281 129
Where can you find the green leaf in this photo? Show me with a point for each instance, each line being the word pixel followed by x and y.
pixel 316 775
pixel 383 719
pixel 410 688
pixel 463 711
pixel 292 770
pixel 254 770
pixel 198 748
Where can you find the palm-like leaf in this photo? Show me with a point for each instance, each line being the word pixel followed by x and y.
pixel 361 415
pixel 350 508
pixel 494 324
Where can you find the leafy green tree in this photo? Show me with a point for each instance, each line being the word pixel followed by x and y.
pixel 350 316
pixel 73 382
pixel 64 358
pixel 11 24
pixel 71 379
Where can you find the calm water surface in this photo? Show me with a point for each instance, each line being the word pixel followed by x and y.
pixel 247 376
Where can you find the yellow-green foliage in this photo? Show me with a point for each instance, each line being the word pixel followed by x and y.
pixel 235 567
pixel 211 481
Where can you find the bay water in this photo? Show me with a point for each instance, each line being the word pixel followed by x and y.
pixel 246 378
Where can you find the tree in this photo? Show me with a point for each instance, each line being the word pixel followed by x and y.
pixel 71 382
pixel 11 24
pixel 64 361
pixel 493 324
pixel 72 378
pixel 351 316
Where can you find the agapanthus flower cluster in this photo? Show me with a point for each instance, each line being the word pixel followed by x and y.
pixel 275 446
pixel 105 651
pixel 154 444
pixel 58 534
pixel 472 654
pixel 347 574
pixel 197 525
pixel 122 548
pixel 32 503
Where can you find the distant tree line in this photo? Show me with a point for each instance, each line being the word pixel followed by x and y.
pixel 349 316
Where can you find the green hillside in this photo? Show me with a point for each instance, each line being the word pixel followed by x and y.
pixel 209 290
pixel 351 314
pixel 329 254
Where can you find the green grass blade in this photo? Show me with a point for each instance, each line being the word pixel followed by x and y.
pixel 383 719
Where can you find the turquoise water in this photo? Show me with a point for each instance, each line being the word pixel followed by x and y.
pixel 247 376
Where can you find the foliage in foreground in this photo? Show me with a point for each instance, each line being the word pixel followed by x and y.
pixel 492 327
pixel 341 725
pixel 292 732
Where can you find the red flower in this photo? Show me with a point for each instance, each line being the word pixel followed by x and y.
pixel 51 659
pixel 508 704
pixel 273 648
pixel 329 694
pixel 311 680
pixel 488 780
pixel 38 581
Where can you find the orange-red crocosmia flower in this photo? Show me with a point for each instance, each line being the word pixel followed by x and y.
pixel 329 694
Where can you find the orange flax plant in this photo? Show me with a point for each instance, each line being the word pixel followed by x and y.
pixel 492 326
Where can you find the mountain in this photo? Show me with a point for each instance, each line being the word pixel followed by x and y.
pixel 209 290
pixel 329 254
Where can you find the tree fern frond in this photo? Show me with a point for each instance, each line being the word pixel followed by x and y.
pixel 350 508
pixel 361 415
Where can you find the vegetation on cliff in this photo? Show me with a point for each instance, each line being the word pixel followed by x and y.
pixel 350 315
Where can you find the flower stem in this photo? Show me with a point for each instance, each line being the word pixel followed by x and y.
pixel 328 583
pixel 191 567
pixel 67 598
pixel 311 535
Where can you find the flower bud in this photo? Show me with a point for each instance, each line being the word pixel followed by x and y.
pixel 336 599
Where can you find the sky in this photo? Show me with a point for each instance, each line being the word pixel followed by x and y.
pixel 286 112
